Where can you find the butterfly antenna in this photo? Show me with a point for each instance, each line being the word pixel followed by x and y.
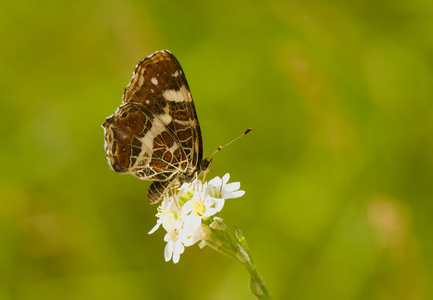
pixel 221 147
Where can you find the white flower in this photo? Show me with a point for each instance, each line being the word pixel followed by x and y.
pixel 166 208
pixel 202 204
pixel 174 247
pixel 191 230
pixel 219 188
pixel 190 214
pixel 185 189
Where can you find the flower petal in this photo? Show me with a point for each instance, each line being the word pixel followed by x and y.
pixel 216 181
pixel 178 250
pixel 213 206
pixel 232 186
pixel 231 195
pixel 226 178
pixel 168 251
pixel 158 224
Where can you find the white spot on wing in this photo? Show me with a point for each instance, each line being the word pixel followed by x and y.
pixel 177 96
pixel 154 81
pixel 165 118
pixel 140 80
pixel 185 122
pixel 147 139
pixel 175 74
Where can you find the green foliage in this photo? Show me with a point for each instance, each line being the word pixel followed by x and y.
pixel 338 170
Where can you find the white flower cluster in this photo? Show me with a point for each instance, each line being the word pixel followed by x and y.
pixel 189 215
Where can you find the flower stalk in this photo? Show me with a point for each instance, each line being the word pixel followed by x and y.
pixel 234 245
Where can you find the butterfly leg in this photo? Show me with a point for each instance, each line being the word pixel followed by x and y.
pixel 197 188
pixel 173 192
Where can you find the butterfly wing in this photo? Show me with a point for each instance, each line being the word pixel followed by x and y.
pixel 155 133
pixel 159 84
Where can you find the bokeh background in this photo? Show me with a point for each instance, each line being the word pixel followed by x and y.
pixel 338 170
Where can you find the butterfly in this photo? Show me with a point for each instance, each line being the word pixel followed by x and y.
pixel 155 134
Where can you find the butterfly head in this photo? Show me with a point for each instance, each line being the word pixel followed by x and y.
pixel 204 165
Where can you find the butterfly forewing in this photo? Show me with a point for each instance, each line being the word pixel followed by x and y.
pixel 155 134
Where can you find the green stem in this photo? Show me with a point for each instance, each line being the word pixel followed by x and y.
pixel 235 246
pixel 257 285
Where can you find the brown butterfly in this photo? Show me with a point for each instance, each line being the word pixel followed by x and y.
pixel 155 134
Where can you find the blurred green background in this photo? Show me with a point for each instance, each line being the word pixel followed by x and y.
pixel 338 170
